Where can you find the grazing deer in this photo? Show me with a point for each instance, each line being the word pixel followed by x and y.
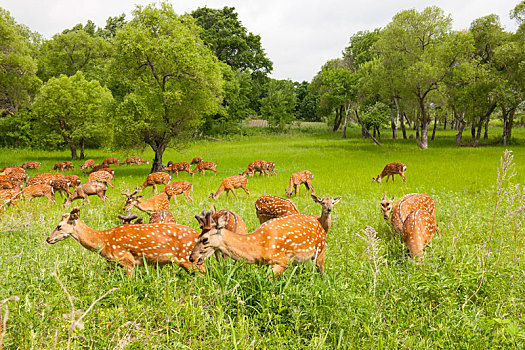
pixel 101 176
pixel 43 178
pixel 62 166
pixel 110 160
pixel 9 197
pixel 201 166
pixel 235 222
pixel 131 245
pixel 13 170
pixel 391 169
pixel 11 185
pixel 176 167
pixel 20 177
pixel 134 160
pixel 90 163
pixel 294 237
pixel 162 216
pixel 179 187
pixel 100 167
pixel 158 178
pixel 270 207
pixel 127 220
pixel 75 180
pixel 327 205
pixel 196 160
pixel 230 184
pixel 40 190
pixel 260 166
pixel 270 167
pixel 60 185
pixel 85 190
pixel 157 202
pixel 418 231
pixel 402 208
pixel 30 165
pixel 301 177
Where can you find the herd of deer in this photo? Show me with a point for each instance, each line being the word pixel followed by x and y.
pixel 284 234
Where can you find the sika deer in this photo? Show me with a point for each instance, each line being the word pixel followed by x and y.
pixel 301 177
pixel 85 190
pixel 327 205
pixel 235 222
pixel 201 166
pixel 176 167
pixel 179 187
pixel 157 202
pixel 158 178
pixel 11 185
pixel 40 190
pixel 162 216
pixel 407 204
pixel 260 166
pixel 391 169
pixel 75 180
pixel 110 160
pixel 101 176
pixel 13 170
pixel 132 245
pixel 270 207
pixel 230 184
pixel 270 166
pixel 61 185
pixel 134 160
pixel 90 163
pixel 294 237
pixel 30 165
pixel 418 231
pixel 128 219
pixel 196 160
pixel 99 167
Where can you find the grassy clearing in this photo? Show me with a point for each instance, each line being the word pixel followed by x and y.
pixel 458 298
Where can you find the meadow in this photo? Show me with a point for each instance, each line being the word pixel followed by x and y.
pixel 469 291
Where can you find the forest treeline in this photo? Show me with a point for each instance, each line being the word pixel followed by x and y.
pixel 160 78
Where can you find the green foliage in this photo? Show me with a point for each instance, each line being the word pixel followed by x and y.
pixel 375 115
pixel 278 107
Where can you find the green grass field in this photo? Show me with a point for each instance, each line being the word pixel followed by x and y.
pixel 462 296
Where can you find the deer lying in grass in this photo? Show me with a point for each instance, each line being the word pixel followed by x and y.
pixel 391 169
pixel 157 202
pixel 301 177
pixel 158 178
pixel 294 237
pixel 201 166
pixel 176 167
pixel 180 187
pixel 85 190
pixel 90 163
pixel 270 207
pixel 131 245
pixel 230 184
pixel 327 205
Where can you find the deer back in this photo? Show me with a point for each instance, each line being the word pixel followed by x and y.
pixel 177 187
pixel 418 230
pixel 270 207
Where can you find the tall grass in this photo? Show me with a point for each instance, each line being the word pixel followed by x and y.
pixel 371 296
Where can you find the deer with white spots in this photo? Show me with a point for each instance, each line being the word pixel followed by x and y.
pixel 327 205
pixel 270 167
pixel 260 166
pixel 101 176
pixel 162 216
pixel 157 202
pixel 132 245
pixel 154 179
pixel 270 207
pixel 180 187
pixel 399 211
pixel 301 177
pixel 196 160
pixel 275 243
pixel 30 165
pixel 201 166
pixel 40 190
pixel 230 184
pixel 176 167
pixel 418 231
pixel 90 163
pixel 390 170
pixel 110 160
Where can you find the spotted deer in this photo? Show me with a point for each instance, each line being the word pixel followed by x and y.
pixel 270 167
pixel 134 160
pixel 390 170
pixel 11 185
pixel 13 170
pixel 158 178
pixel 43 178
pixel 270 207
pixel 110 160
pixel 100 167
pixel 9 196
pixel 85 190
pixel 176 167
pixel 74 179
pixel 327 205
pixel 61 185
pixel 162 216
pixel 131 245
pixel 40 190
pixel 296 180
pixel 418 231
pixel 180 187
pixel 90 163
pixel 157 202
pixel 201 166
pixel 30 165
pixel 235 222
pixel 196 160
pixel 275 243
pixel 399 211
pixel 101 176
pixel 63 166
pixel 230 184
pixel 260 166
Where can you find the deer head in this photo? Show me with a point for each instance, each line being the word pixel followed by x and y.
pixel 65 227
pixel 386 206
pixel 327 203
pixel 377 179
pixel 210 237
pixel 131 200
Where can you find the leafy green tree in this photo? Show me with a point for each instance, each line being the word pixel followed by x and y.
pixel 278 107
pixel 174 79
pixel 72 109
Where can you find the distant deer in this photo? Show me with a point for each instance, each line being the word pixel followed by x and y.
pixel 158 178
pixel 101 176
pixel 99 167
pixel 201 166
pixel 85 190
pixel 134 160
pixel 327 205
pixel 260 166
pixel 230 184
pixel 270 207
pixel 131 245
pixel 180 187
pixel 390 170
pixel 270 166
pixel 176 167
pixel 30 165
pixel 402 208
pixel 157 202
pixel 295 237
pixel 110 160
pixel 301 177
pixel 196 160
pixel 90 163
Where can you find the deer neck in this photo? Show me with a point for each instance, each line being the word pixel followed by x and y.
pixel 89 238
pixel 325 220
pixel 240 247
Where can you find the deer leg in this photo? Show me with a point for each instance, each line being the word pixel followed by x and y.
pixel 51 198
pixel 278 269
pixel 246 190
pixel 319 261
pixel 403 177
pixel 233 191
pixel 109 183
pixel 154 187
pixel 188 197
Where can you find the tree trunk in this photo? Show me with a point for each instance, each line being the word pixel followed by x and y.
pixel 338 118
pixel 73 150
pixel 402 117
pixel 445 123
pixel 434 130
pixel 425 121
pixel 158 148
pixel 393 124
pixel 478 133
pixel 460 125
pixel 486 133
pixel 360 122
pixel 347 109
pixel 378 134
pixel 473 131
pixel 374 131
pixel 82 156
pixel 417 133
pixel 510 123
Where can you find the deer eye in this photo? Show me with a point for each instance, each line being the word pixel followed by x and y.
pixel 204 240
pixel 59 227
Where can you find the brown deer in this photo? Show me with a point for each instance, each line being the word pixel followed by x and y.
pixel 235 222
pixel 11 185
pixel 75 180
pixel 131 245
pixel 270 167
pixel 157 202
pixel 30 165
pixel 230 184
pixel 418 231
pixel 270 207
pixel 401 209
pixel 85 190
pixel 301 177
pixel 60 185
pixel 101 176
pixel 179 187
pixel 13 170
pixel 327 205
pixel 9 197
pixel 275 243
pixel 134 160
pixel 201 166
pixel 158 178
pixel 162 216
pixel 100 167
pixel 391 169
pixel 43 178
pixel 20 177
pixel 110 160
pixel 90 163
pixel 196 160
pixel 128 219
pixel 62 166
pixel 260 166
pixel 40 190
pixel 176 167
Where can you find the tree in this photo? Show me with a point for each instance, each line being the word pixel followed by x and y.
pixel 73 109
pixel 279 106
pixel 173 78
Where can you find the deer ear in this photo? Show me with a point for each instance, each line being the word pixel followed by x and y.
pixel 384 197
pixel 316 199
pixel 393 197
pixel 212 208
pixel 336 200
pixel 222 220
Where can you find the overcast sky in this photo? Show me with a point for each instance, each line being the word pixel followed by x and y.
pixel 299 36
